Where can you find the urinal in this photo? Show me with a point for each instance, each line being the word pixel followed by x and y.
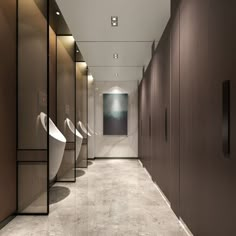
pixel 83 128
pixel 91 131
pixel 57 144
pixel 79 137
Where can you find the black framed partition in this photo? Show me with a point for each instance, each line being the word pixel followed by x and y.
pixel 33 107
pixel 82 109
pixel 66 104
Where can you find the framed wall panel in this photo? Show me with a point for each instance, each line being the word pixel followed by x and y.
pixel 66 104
pixel 82 110
pixel 115 114
pixel 33 134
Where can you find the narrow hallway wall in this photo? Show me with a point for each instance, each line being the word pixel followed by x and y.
pixel 199 179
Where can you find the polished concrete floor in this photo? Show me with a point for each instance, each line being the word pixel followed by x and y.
pixel 111 197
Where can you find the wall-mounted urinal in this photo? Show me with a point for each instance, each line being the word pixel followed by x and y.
pixel 91 131
pixel 79 137
pixel 83 128
pixel 57 143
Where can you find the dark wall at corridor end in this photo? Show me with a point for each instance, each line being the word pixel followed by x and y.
pixel 8 108
pixel 181 115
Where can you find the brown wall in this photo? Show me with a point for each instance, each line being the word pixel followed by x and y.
pixel 200 181
pixel 175 113
pixel 8 108
pixel 154 101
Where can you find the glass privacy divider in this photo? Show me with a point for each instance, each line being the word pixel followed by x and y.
pixel 33 133
pixel 82 110
pixel 66 105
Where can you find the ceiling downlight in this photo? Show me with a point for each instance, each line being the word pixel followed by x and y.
pixel 115 56
pixel 114 21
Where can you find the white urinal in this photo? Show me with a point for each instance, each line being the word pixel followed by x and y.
pixel 91 131
pixel 79 137
pixel 83 128
pixel 57 144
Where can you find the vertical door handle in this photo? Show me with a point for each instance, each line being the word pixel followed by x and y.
pixel 166 126
pixel 150 126
pixel 226 118
pixel 141 128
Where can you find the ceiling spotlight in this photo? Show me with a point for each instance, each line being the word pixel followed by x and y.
pixel 114 21
pixel 58 13
pixel 77 51
pixel 115 56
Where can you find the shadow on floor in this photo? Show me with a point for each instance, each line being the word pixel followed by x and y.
pixel 80 173
pixel 90 163
pixel 57 194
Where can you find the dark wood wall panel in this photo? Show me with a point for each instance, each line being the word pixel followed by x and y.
pixel 160 101
pixel 192 170
pixel 145 116
pixel 8 108
pixel 175 115
pixel 219 206
pixel 154 107
pixel 194 89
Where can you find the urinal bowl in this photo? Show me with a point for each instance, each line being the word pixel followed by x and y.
pixel 57 143
pixel 79 137
pixel 83 128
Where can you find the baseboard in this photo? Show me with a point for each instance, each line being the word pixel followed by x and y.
pixel 7 220
pixel 185 227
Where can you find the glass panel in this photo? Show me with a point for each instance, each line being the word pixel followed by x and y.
pixel 82 111
pixel 66 104
pixel 32 73
pixel 91 115
pixel 32 107
pixel 32 185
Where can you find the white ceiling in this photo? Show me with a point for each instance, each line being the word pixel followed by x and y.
pixel 140 23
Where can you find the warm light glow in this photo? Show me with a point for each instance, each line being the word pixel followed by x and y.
pixel 71 39
pixel 83 64
pixel 116 89
pixel 58 13
pixel 90 78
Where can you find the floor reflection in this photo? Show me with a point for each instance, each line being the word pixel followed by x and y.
pixel 57 194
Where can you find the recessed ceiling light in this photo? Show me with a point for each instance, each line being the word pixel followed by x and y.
pixel 77 51
pixel 115 56
pixel 58 13
pixel 116 74
pixel 114 21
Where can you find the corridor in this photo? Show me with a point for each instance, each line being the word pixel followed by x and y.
pixel 110 198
